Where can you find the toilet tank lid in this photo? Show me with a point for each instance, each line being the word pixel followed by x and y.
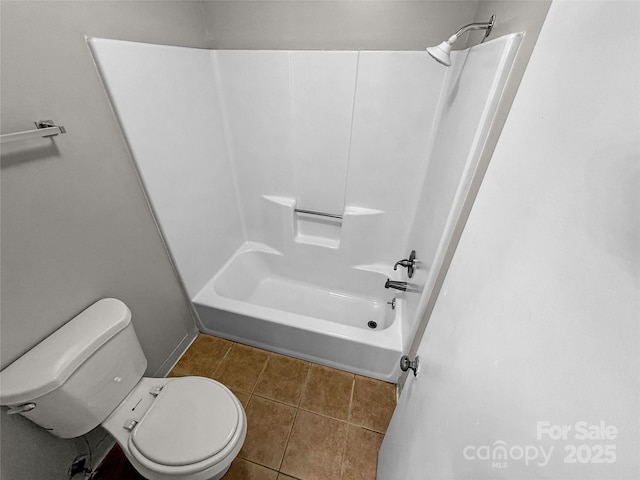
pixel 51 362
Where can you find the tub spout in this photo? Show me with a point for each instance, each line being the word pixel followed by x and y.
pixel 397 285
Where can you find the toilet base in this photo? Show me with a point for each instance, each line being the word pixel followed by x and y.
pixel 117 465
pixel 204 475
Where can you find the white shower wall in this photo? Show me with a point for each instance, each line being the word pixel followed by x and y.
pixel 331 132
pixel 257 108
pixel 217 134
pixel 394 114
pixel 168 106
pixel 323 85
pixel 472 89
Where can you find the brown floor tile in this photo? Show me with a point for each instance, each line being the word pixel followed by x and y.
pixel 243 470
pixel 242 396
pixel 361 455
pixel 283 379
pixel 203 357
pixel 315 449
pixel 373 403
pixel 241 367
pixel 332 436
pixel 269 424
pixel 328 392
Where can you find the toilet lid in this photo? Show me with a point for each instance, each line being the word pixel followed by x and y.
pixel 192 419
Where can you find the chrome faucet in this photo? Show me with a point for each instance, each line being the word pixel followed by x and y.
pixel 395 284
pixel 408 263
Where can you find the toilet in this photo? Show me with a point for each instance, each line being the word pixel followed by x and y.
pixel 90 372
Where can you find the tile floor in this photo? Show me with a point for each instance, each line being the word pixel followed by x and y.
pixel 305 421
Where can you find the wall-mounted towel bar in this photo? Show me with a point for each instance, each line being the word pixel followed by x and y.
pixel 321 214
pixel 45 128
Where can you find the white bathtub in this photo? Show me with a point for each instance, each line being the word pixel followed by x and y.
pixel 308 308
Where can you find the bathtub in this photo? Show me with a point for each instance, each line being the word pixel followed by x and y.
pixel 308 308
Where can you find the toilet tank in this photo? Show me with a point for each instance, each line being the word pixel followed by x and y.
pixel 79 374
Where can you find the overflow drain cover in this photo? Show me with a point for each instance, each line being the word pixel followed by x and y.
pixel 372 324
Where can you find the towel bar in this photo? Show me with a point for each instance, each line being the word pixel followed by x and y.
pixel 321 214
pixel 45 128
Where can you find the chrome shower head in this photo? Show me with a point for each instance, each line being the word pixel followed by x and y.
pixel 442 52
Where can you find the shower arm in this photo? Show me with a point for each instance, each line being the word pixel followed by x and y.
pixel 473 26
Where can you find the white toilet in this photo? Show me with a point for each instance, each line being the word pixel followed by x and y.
pixel 89 372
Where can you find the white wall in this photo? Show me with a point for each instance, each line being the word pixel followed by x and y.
pixel 168 106
pixel 538 317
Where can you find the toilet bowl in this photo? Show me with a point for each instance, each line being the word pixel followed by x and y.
pixel 90 372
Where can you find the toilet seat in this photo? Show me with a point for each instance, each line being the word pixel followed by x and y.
pixel 193 424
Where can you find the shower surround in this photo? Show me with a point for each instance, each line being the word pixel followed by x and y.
pixel 231 145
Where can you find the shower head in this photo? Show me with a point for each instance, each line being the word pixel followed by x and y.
pixel 442 52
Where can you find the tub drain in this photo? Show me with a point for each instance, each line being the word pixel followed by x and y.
pixel 372 324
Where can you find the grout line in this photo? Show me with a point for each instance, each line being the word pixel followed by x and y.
pixel 264 367
pixel 341 420
pixel 304 385
pixel 346 440
pixel 215 371
pixel 353 390
pixel 367 429
pixel 295 414
pixel 280 402
pixel 255 463
pixel 344 453
pixel 324 414
pixel 286 443
pixel 344 450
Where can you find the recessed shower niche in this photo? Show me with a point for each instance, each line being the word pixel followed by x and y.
pixel 318 228
pixel 288 183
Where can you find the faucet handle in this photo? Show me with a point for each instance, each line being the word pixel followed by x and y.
pixel 408 263
pixel 403 263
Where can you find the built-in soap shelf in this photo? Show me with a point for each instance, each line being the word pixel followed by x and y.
pixel 313 227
